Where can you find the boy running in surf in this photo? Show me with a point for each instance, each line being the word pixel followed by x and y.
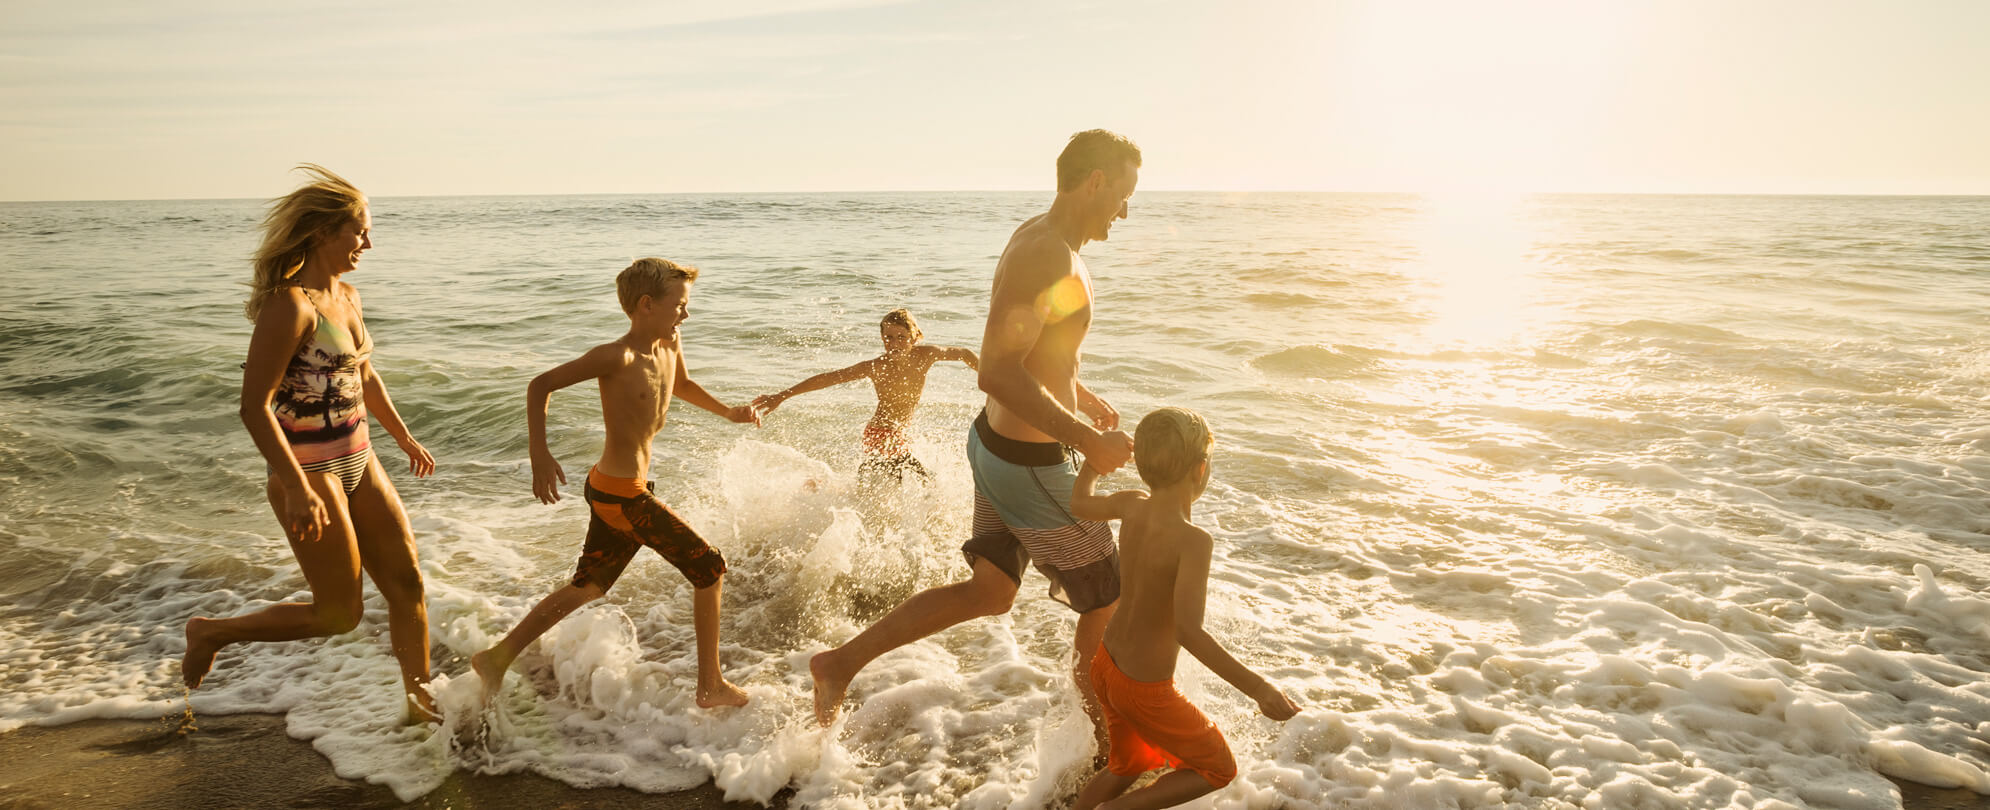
pixel 639 373
pixel 1163 580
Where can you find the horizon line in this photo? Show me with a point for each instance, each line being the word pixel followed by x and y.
pixel 1374 192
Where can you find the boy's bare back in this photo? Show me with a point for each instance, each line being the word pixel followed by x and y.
pixel 1157 551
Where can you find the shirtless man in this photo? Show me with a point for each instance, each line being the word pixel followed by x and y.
pixel 1038 314
pixel 898 376
pixel 639 373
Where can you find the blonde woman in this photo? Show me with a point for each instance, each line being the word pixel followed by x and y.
pixel 307 390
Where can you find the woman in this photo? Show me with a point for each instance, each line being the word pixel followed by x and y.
pixel 307 389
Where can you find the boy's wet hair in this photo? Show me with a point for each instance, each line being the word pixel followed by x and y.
pixel 649 276
pixel 1100 149
pixel 1168 445
pixel 903 317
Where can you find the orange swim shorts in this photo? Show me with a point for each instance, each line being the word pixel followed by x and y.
pixel 1149 725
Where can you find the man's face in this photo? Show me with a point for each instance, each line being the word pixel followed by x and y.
pixel 1113 195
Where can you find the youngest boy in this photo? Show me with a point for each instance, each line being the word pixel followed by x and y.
pixel 1163 574
pixel 638 374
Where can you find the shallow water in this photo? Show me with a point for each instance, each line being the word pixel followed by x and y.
pixel 1553 502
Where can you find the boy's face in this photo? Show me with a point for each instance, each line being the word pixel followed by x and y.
pixel 897 339
pixel 665 313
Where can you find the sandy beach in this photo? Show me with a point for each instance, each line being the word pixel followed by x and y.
pixel 246 760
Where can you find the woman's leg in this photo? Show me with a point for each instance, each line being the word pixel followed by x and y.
pixel 331 569
pixel 387 550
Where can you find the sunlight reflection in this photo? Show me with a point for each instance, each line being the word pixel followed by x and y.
pixel 1474 262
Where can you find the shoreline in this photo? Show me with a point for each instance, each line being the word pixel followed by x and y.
pixel 247 760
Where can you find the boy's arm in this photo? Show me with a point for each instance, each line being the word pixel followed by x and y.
pixel 690 391
pixel 1087 505
pixel 768 402
pixel 600 361
pixel 962 354
pixel 1191 591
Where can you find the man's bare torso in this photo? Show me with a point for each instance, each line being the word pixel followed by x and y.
pixel 1066 307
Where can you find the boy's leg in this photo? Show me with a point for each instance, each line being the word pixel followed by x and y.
pixel 491 664
pixel 387 551
pixel 331 569
pixel 988 592
pixel 1178 787
pixel 1105 785
pixel 713 688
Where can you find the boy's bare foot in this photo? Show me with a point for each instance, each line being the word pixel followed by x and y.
pixel 421 708
pixel 721 694
pixel 490 668
pixel 830 686
pixel 201 649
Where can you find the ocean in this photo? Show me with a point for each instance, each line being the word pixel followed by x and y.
pixel 1553 501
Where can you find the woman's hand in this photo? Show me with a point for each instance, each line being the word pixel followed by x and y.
pixel 304 514
pixel 419 461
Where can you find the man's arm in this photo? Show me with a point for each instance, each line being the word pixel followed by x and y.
pixel 690 391
pixel 1104 416
pixel 858 371
pixel 1015 322
pixel 1191 592
pixel 598 362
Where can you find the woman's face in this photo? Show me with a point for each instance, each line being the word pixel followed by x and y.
pixel 339 248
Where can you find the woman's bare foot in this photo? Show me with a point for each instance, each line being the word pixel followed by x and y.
pixel 201 649
pixel 421 708
pixel 830 686
pixel 490 666
pixel 721 694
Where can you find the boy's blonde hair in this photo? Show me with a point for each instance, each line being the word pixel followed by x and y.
pixel 649 276
pixel 1168 445
pixel 903 317
pixel 294 225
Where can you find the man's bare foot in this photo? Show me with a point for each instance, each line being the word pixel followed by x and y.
pixel 830 686
pixel 722 694
pixel 490 667
pixel 201 648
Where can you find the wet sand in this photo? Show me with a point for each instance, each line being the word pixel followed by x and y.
pixel 247 761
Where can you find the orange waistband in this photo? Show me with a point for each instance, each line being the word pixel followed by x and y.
pixel 620 487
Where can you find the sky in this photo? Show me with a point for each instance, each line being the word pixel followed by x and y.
pixel 220 98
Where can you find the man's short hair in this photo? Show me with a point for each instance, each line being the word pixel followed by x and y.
pixel 1168 445
pixel 649 277
pixel 1094 149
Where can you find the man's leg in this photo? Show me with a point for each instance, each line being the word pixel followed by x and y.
pixel 491 664
pixel 1090 634
pixel 988 592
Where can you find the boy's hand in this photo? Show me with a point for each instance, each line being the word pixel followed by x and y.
pixel 743 414
pixel 1108 452
pixel 547 478
pixel 766 403
pixel 1275 704
pixel 419 461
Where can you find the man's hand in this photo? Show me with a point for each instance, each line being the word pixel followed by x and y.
pixel 1108 451
pixel 1104 417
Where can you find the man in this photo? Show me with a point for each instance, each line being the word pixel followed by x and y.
pixel 1039 312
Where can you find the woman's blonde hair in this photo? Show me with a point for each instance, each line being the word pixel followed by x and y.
pixel 293 226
